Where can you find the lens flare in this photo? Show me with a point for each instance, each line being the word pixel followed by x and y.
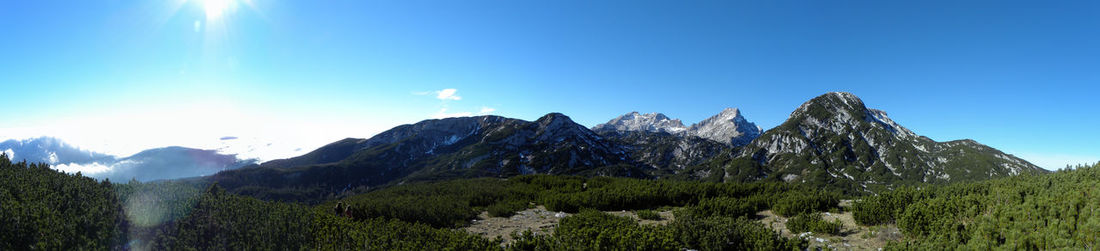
pixel 215 9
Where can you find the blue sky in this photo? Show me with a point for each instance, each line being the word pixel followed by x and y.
pixel 119 76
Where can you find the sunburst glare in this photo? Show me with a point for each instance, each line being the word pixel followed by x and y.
pixel 215 9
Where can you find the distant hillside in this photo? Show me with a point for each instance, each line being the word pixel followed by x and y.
pixel 484 146
pixel 171 163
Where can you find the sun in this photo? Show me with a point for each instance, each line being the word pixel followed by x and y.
pixel 216 9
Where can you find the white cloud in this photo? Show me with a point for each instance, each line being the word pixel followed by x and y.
pixel 88 169
pixel 447 94
pixel 10 153
pixel 443 114
pixel 486 110
pixel 53 158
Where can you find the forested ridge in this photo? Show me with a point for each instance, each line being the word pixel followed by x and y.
pixel 43 209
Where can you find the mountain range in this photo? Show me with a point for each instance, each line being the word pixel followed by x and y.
pixel 483 146
pixel 727 127
pixel 832 141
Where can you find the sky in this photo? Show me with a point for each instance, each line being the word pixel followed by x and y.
pixel 120 76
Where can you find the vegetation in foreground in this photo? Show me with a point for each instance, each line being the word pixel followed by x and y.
pixel 1029 212
pixel 46 209
pixel 813 222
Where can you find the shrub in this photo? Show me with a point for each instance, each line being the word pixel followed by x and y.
pixel 813 222
pixel 932 216
pixel 595 230
pixel 872 211
pixel 560 202
pixel 437 211
pixel 331 232
pixel 648 215
pixel 725 233
pixel 729 207
pixel 506 208
pixel 528 240
pixel 44 209
pixel 883 208
pixel 795 203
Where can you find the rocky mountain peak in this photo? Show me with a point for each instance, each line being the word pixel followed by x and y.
pixel 836 135
pixel 839 111
pixel 731 112
pixel 554 120
pixel 635 121
pixel 557 127
pixel 727 127
pixel 830 104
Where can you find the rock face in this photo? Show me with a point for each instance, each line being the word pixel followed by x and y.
pixel 637 122
pixel 668 148
pixel 835 139
pixel 666 153
pixel 728 127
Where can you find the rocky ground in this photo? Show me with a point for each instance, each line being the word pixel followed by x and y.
pixel 540 221
pixel 851 237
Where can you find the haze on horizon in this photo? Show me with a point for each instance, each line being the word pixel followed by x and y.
pixel 122 76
